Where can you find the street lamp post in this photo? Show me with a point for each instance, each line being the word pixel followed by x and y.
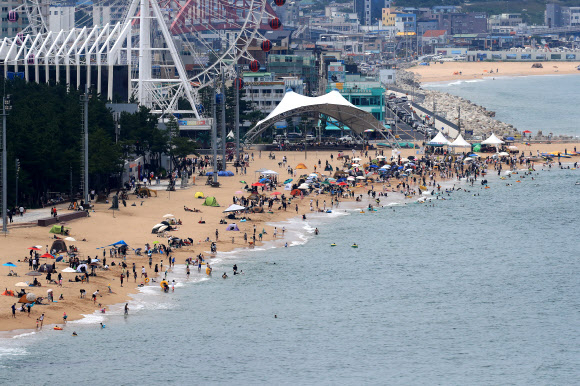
pixel 5 109
pixel 17 172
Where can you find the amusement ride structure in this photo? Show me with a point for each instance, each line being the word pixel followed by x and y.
pixel 158 52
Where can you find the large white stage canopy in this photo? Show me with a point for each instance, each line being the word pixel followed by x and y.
pixel 332 104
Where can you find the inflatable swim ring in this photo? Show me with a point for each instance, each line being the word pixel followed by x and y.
pixel 146 280
pixel 333 245
pixel 354 246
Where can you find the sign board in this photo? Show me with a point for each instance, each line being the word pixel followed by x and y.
pixel 195 124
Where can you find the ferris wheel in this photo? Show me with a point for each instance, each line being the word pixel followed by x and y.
pixel 211 37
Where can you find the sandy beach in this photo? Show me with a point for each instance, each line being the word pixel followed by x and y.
pixel 448 71
pixel 133 225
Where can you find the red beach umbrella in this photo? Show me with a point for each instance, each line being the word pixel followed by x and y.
pixel 258 184
pixel 48 256
pixel 275 194
pixel 34 248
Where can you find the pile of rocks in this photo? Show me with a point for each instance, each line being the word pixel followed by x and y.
pixel 473 117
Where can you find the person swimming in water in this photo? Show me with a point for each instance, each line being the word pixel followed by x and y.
pixel 224 276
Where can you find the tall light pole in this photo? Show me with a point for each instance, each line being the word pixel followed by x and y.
pixel 237 85
pixel 17 172
pixel 85 104
pixel 214 132
pixel 5 108
pixel 223 127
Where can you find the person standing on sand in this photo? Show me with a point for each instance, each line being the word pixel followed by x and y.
pixel 122 277
pixel 13 310
pixel 64 317
pixel 143 271
pixel 41 319
pixel 216 235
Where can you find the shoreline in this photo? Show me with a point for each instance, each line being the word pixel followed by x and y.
pixel 486 78
pixel 449 71
pixel 133 224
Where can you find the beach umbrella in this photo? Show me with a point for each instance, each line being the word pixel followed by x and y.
pixel 288 181
pixel 243 182
pixel 168 215
pixel 400 167
pixel 304 186
pixel 263 180
pixel 356 159
pixel 35 248
pixel 69 239
pixel 9 264
pixel 239 192
pixel 355 165
pixel 34 273
pixel 325 183
pixel 510 138
pixel 69 269
pixel 295 192
pixel 257 184
pixel 342 183
pixel 381 157
pixel 21 284
pixel 31 297
pixel 350 178
pixel 360 178
pixel 275 194
pixel 503 154
pixel 47 256
pixel 527 132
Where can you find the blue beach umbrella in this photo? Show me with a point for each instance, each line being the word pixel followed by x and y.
pixel 9 264
pixel 264 180
pixel 400 167
pixel 510 138
pixel 374 166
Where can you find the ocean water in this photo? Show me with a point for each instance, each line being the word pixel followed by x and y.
pixel 479 288
pixel 548 103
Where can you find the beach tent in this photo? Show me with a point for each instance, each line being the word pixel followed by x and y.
pixel 58 229
pixel 234 208
pixel 439 140
pixel 198 195
pixel 300 166
pixel 269 172
pixel 58 246
pixel 288 186
pixel 492 140
pixel 460 142
pixel 232 227
pixel 210 201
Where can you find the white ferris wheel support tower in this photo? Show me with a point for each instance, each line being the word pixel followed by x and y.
pixel 147 87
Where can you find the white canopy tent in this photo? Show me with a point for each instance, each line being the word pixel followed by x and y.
pixel 460 142
pixel 332 104
pixel 269 172
pixel 439 140
pixel 492 140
